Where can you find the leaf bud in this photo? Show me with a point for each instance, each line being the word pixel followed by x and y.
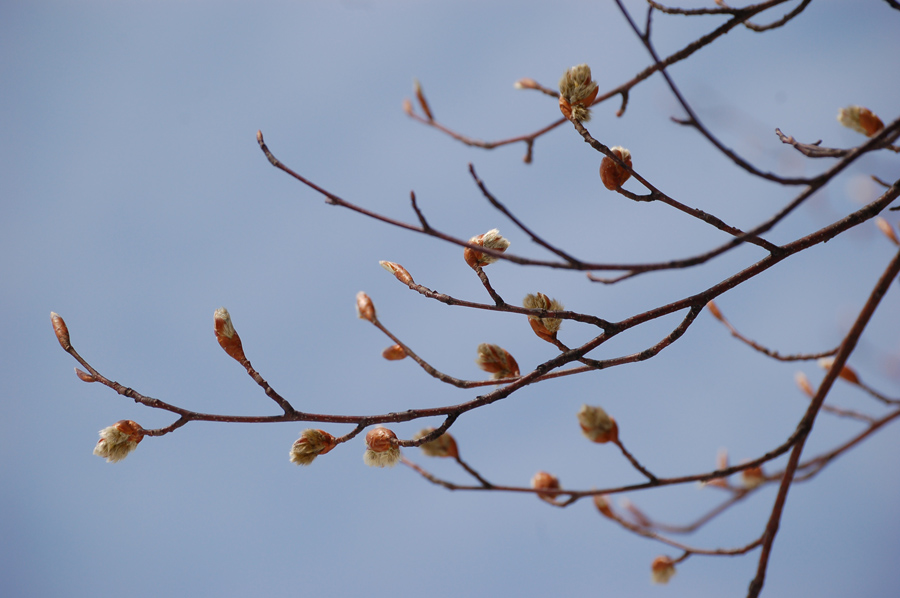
pixel 394 353
pixel 310 445
pixel 227 336
pixel 398 271
pixel 118 440
pixel 382 448
pixel 61 330
pixel 545 481
pixel 860 119
pixel 442 446
pixel 546 328
pixel 497 361
pixel 490 240
pixel 597 425
pixel 612 174
pixel 577 92
pixel 365 309
pixel 662 569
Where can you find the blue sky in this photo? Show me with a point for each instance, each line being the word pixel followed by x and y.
pixel 135 202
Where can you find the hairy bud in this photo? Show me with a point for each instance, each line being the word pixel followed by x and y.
pixel 227 336
pixel 860 119
pixel 118 440
pixel 597 425
pixel 496 361
pixel 442 446
pixel 491 240
pixel 382 448
pixel 752 477
pixel 662 569
pixel 545 481
pixel 310 445
pixel 546 328
pixel 577 92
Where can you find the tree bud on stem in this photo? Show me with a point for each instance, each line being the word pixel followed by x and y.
pixel 84 376
pixel 662 569
pixel 597 425
pixel 577 92
pixel 887 230
pixel 382 448
pixel 545 481
pixel 417 87
pixel 847 373
pixel 398 271
pixel 310 445
pixel 394 353
pixel 227 336
pixel 118 440
pixel 546 328
pixel 442 446
pixel 496 361
pixel 804 385
pixel 61 330
pixel 491 240
pixel 365 309
pixel 860 119
pixel 612 175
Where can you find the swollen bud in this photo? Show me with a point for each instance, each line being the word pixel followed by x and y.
pixel 597 425
pixel 860 119
pixel 496 361
pixel 546 328
pixel 545 481
pixel 310 445
pixel 365 309
pixel 491 240
pixel 227 336
pixel 118 440
pixel 382 448
pixel 398 271
pixel 394 353
pixel 577 92
pixel 442 446
pixel 662 569
pixel 61 330
pixel 613 175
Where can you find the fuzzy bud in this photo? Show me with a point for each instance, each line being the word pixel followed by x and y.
pixel 227 336
pixel 847 373
pixel 577 92
pixel 613 175
pixel 61 330
pixel 602 503
pixel 490 240
pixel 442 446
pixel 597 425
pixel 497 361
pixel 398 271
pixel 662 569
pixel 382 448
pixel 394 353
pixel 860 119
pixel 545 481
pixel 365 309
pixel 752 477
pixel 546 328
pixel 118 440
pixel 310 445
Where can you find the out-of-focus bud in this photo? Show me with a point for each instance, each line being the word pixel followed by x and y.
pixel 310 445
pixel 407 106
pixel 847 373
pixel 442 446
pixel 497 361
pixel 602 503
pixel 118 440
pixel 662 569
pixel 613 175
pixel 721 463
pixel 545 481
pixel 714 310
pixel 398 271
pixel 227 336
pixel 365 309
pixel 597 425
pixel 382 448
pixel 491 240
pixel 887 230
pixel 421 97
pixel 84 376
pixel 546 328
pixel 804 385
pixel 394 353
pixel 526 83
pixel 860 119
pixel 577 92
pixel 752 477
pixel 61 330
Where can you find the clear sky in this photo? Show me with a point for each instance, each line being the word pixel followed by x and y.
pixel 135 201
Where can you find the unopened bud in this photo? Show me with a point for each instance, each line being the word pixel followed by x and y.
pixel 491 240
pixel 61 330
pixel 611 173
pixel 382 448
pixel 597 425
pixel 860 119
pixel 398 271
pixel 310 445
pixel 752 477
pixel 227 336
pixel 442 446
pixel 662 569
pixel 407 106
pixel 84 376
pixel 602 503
pixel 118 440
pixel 421 97
pixel 496 361
pixel 365 309
pixel 847 373
pixel 887 230
pixel 545 481
pixel 577 92
pixel 546 328
pixel 804 385
pixel 394 353
pixel 714 310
